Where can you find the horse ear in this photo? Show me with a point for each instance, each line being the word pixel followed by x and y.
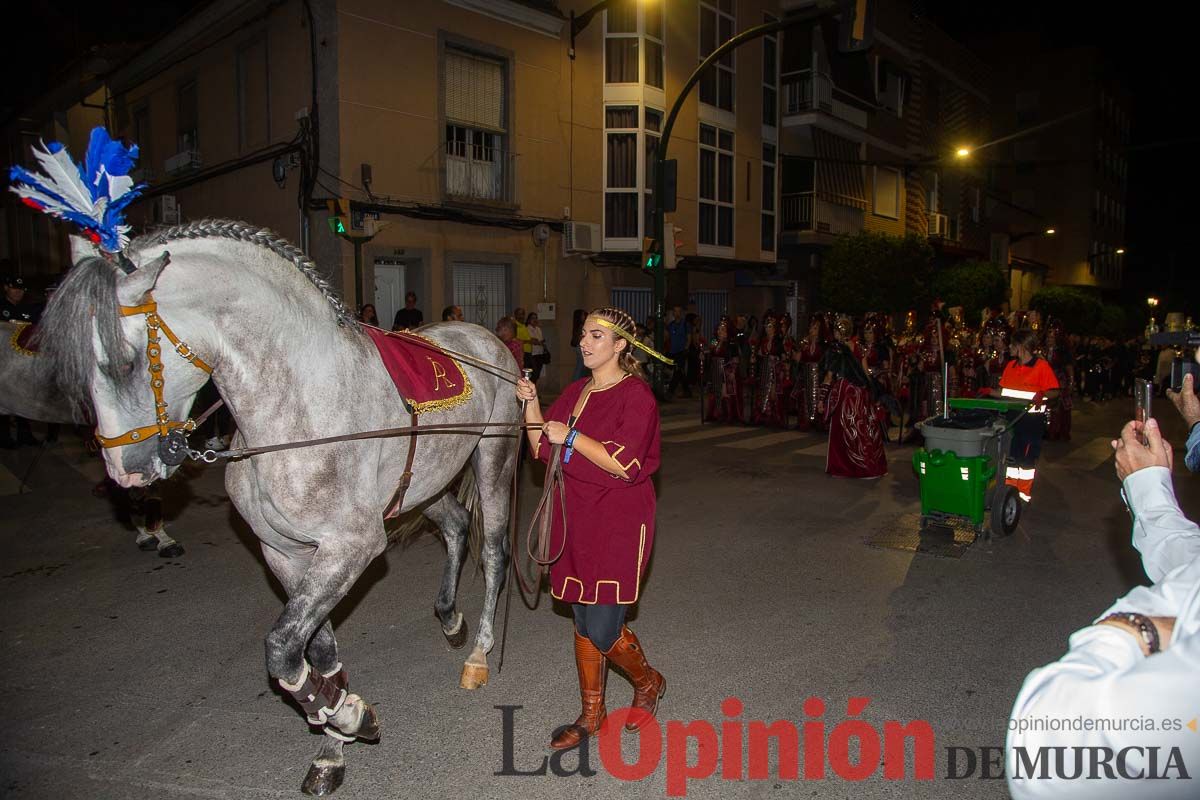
pixel 82 248
pixel 132 288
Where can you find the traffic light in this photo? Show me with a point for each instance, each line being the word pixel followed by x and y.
pixel 339 216
pixel 672 241
pixel 652 257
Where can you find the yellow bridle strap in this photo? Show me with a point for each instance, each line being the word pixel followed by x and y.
pixel 627 336
pixel 155 321
pixel 163 423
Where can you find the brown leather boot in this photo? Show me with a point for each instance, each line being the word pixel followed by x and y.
pixel 592 670
pixel 648 685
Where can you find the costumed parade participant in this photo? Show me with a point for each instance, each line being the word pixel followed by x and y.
pixel 14 308
pixel 724 390
pixel 1058 355
pixel 851 411
pixel 609 428
pixel 998 333
pixel 1027 377
pixel 807 388
pixel 969 366
pixel 773 377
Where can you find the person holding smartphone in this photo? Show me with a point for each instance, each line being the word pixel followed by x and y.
pixel 1030 378
pixel 1188 404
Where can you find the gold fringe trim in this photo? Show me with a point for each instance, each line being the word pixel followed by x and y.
pixel 14 340
pixel 446 403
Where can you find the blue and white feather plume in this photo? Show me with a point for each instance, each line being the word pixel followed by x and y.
pixel 93 195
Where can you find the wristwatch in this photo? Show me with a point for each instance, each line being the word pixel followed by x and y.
pixel 1145 628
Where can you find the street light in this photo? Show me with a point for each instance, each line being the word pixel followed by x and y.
pixel 962 152
pixel 1120 251
pixel 1016 237
pixel 1152 302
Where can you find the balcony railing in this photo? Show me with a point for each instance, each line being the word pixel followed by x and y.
pixel 805 211
pixel 485 174
pixel 803 92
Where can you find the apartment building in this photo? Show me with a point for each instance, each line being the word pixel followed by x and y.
pixel 494 167
pixel 869 139
pixel 1069 172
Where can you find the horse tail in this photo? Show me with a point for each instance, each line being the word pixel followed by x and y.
pixel 413 523
pixel 467 493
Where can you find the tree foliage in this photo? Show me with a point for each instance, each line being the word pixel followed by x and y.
pixel 876 272
pixel 974 285
pixel 1079 309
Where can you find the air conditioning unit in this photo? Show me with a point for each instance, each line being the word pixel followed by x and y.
pixel 166 210
pixel 182 162
pixel 581 237
pixel 939 225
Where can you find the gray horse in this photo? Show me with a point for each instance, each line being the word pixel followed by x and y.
pixel 292 365
pixel 29 388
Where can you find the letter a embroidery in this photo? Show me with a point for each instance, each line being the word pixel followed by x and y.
pixel 439 375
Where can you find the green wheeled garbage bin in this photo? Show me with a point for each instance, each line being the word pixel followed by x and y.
pixel 960 468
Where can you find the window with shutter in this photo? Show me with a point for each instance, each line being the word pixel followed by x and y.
pixel 477 167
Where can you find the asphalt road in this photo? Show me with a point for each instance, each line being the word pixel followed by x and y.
pixel 131 676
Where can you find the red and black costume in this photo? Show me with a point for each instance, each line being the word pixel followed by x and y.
pixel 807 389
pixel 1062 361
pixel 853 416
pixel 773 379
pixel 723 400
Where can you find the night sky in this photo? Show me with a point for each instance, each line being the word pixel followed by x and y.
pixel 1159 261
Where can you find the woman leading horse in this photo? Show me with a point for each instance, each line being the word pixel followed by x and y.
pixel 608 428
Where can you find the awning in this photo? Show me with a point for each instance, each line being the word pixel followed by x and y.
pixel 839 173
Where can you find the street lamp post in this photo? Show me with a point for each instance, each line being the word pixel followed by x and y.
pixel 660 156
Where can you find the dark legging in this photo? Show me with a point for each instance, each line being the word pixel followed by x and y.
pixel 601 624
pixel 1027 439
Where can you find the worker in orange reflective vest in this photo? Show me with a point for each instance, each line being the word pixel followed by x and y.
pixel 1030 378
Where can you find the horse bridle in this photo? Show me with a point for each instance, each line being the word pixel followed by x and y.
pixel 163 425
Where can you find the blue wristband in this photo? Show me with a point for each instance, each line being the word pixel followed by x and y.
pixel 569 442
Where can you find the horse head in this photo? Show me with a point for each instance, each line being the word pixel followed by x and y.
pixel 99 328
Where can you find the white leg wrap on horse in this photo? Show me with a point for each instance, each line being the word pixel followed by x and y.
pixel 164 540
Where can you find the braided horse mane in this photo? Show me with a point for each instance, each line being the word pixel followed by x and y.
pixel 261 237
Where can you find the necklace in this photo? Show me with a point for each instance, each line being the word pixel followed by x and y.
pixel 596 386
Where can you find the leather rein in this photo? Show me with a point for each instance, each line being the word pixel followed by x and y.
pixel 173 450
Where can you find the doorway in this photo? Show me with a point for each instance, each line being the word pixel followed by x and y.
pixel 389 287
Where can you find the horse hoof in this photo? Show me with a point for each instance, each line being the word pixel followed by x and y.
pixel 171 551
pixel 321 781
pixel 149 543
pixel 473 676
pixel 457 639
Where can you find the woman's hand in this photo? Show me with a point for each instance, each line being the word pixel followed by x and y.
pixel 526 390
pixel 556 432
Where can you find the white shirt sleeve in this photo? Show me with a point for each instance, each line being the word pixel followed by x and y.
pixel 1104 682
pixel 1165 538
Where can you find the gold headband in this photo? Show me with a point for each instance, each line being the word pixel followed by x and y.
pixel 627 336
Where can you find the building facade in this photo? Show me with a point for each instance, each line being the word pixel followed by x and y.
pixel 870 136
pixel 495 168
pixel 1070 171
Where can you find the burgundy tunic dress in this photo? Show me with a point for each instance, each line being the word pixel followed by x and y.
pixel 610 521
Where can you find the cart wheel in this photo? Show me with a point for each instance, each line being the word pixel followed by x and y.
pixel 1006 512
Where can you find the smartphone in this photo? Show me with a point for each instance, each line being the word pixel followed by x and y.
pixel 1143 391
pixel 1181 367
